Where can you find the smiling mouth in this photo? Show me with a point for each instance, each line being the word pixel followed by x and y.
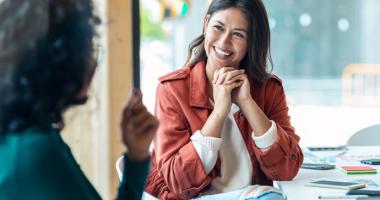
pixel 222 53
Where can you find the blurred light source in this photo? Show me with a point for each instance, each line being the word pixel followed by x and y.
pixel 174 8
pixel 305 19
pixel 343 24
pixel 167 26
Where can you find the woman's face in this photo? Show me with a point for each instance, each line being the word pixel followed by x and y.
pixel 226 36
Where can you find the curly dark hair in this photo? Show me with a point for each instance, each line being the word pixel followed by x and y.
pixel 46 58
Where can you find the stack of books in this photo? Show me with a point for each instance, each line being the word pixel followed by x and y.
pixel 359 170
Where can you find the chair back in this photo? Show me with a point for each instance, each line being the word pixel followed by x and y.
pixel 361 85
pixel 120 167
pixel 369 136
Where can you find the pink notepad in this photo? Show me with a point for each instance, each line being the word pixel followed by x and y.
pixel 359 170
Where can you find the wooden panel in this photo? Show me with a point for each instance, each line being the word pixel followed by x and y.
pixel 92 130
pixel 120 73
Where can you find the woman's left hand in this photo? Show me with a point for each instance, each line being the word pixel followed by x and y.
pixel 240 94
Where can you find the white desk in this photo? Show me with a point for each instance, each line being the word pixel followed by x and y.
pixel 296 189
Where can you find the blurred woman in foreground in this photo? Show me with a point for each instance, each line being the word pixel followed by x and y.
pixel 46 66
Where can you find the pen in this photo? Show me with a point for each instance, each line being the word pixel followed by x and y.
pixel 342 197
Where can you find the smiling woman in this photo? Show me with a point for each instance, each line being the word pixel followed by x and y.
pixel 224 123
pixel 255 25
pixel 226 33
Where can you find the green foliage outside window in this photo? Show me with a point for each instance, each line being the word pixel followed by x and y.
pixel 150 29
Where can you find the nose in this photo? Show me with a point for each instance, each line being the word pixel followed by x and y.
pixel 225 38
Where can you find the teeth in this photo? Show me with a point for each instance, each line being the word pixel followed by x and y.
pixel 221 52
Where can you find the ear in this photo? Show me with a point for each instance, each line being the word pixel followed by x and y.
pixel 206 20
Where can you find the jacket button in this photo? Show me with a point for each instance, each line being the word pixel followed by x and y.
pixel 187 195
pixel 293 157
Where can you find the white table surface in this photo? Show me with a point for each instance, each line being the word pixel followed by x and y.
pixel 296 189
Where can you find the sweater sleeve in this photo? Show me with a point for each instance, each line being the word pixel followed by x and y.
pixel 134 177
pixel 207 149
pixel 265 141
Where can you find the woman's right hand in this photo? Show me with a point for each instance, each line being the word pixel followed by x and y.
pixel 222 90
pixel 138 127
pixel 222 93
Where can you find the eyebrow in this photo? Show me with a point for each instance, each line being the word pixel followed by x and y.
pixel 238 29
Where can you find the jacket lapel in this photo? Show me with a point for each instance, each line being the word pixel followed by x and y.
pixel 198 87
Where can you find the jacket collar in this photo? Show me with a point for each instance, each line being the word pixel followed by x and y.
pixel 198 86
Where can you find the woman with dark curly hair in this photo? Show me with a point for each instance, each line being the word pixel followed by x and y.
pixel 46 66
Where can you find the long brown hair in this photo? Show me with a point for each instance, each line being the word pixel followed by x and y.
pixel 258 54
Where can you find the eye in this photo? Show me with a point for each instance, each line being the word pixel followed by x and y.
pixel 238 34
pixel 218 28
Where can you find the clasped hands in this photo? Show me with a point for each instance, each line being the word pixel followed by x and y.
pixel 230 85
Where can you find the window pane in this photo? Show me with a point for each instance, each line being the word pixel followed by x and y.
pixel 321 49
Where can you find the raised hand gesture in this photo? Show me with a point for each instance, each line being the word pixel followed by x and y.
pixel 138 127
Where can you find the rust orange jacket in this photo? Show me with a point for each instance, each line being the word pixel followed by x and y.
pixel 183 106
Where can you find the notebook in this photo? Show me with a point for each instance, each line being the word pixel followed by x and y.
pixel 359 170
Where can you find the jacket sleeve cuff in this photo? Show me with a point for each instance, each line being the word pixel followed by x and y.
pixel 134 177
pixel 265 141
pixel 207 149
